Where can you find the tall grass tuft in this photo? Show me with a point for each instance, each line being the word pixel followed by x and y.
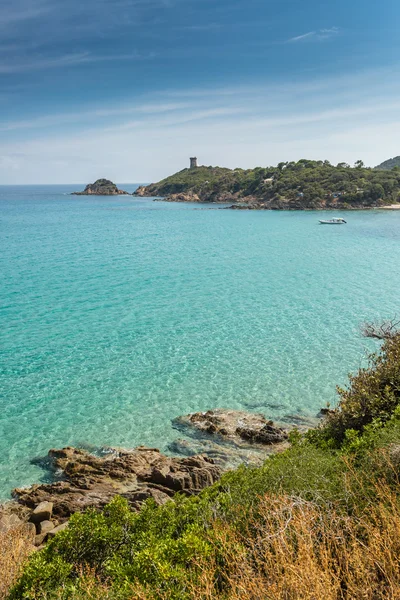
pixel 295 550
pixel 15 548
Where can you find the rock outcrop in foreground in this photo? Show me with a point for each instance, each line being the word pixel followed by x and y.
pixel 91 481
pixel 101 187
pixel 225 438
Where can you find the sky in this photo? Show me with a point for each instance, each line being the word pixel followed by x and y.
pixel 130 89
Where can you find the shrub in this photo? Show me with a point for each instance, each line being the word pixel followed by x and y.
pixel 371 397
pixel 152 546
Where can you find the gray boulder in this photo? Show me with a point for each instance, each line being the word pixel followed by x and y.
pixel 57 529
pixel 46 526
pixel 42 512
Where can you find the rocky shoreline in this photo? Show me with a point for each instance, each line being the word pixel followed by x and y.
pixel 219 440
pixel 239 202
pixel 236 200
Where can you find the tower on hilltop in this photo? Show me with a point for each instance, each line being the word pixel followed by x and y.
pixel 193 162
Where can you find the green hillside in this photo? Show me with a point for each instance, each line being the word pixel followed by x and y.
pixel 391 163
pixel 299 185
pixel 199 180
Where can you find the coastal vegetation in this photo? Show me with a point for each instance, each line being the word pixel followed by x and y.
pixel 320 520
pixel 305 184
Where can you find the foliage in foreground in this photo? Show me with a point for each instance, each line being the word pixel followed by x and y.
pixel 320 521
pixel 370 400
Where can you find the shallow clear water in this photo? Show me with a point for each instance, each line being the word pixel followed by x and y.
pixel 119 314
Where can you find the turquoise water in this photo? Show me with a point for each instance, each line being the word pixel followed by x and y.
pixel 119 314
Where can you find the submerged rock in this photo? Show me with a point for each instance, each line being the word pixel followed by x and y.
pixel 101 187
pixel 225 454
pixel 230 437
pixel 236 425
pixel 91 481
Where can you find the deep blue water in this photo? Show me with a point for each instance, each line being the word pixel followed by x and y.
pixel 119 314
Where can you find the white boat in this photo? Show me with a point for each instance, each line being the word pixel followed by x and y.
pixel 337 221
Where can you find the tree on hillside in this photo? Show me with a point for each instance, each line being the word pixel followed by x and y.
pixel 375 191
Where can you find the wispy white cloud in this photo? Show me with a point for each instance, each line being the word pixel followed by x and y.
pixel 318 35
pixel 39 63
pixel 141 108
pixel 18 11
pixel 304 36
pixel 250 125
pixel 324 34
pixel 96 114
pixel 273 105
pixel 202 27
pixel 178 119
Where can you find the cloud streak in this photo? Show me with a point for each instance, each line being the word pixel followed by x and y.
pixel 86 117
pixel 58 62
pixel 252 126
pixel 275 105
pixel 17 12
pixel 316 36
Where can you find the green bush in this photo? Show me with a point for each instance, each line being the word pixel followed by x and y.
pixel 371 397
pixel 152 546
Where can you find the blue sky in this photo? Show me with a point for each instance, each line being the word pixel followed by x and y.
pixel 129 89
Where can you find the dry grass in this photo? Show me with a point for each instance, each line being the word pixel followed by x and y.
pixel 15 547
pixel 288 548
pixel 296 551
pixel 291 550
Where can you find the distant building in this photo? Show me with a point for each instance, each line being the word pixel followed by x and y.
pixel 193 162
pixel 269 180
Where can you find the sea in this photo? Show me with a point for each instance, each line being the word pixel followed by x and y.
pixel 118 314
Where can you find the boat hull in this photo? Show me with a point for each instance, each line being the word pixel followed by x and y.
pixel 332 222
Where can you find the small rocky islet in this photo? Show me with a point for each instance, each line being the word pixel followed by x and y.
pixel 219 440
pixel 101 187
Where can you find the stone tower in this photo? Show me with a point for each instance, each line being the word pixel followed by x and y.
pixel 193 162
